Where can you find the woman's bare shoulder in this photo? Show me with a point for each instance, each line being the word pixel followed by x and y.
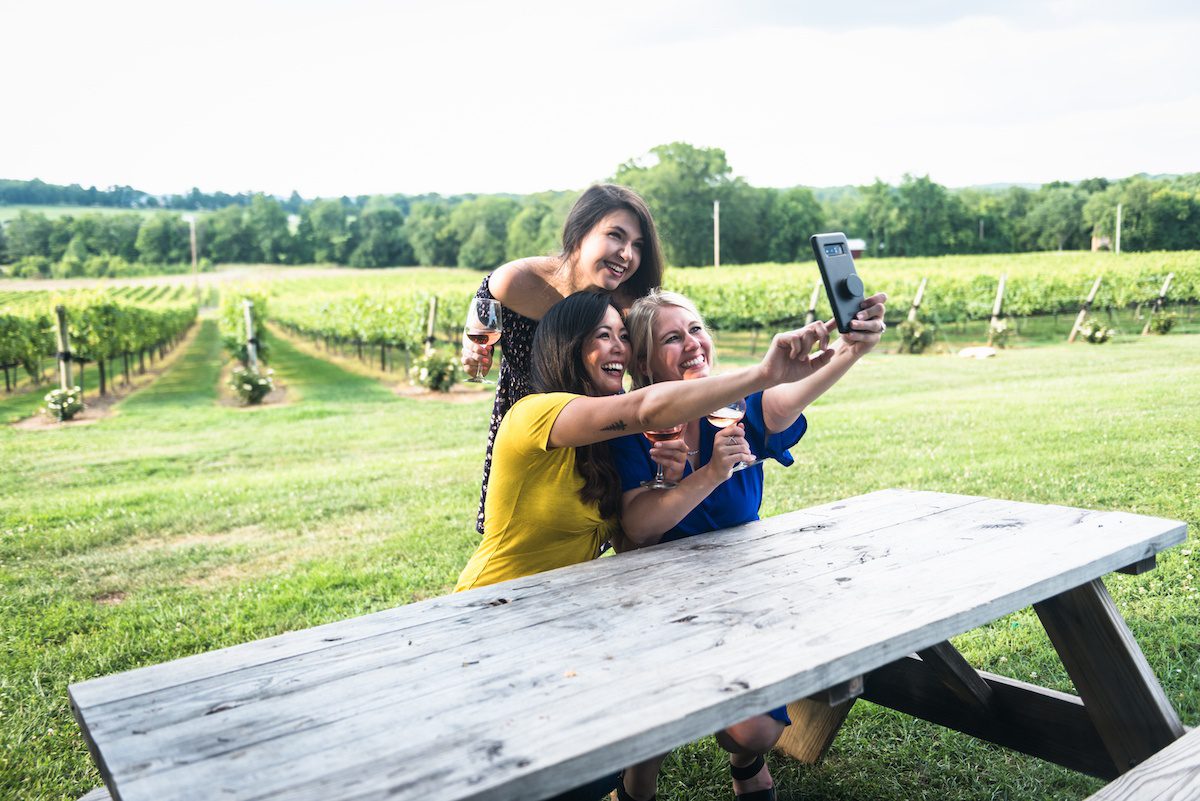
pixel 523 285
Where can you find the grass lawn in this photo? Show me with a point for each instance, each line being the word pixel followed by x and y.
pixel 180 525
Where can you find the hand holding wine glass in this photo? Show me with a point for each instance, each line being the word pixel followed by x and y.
pixel 672 457
pixel 728 415
pixel 483 328
pixel 662 435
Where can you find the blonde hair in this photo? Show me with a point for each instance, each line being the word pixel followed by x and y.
pixel 639 324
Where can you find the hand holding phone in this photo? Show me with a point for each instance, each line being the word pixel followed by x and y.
pixel 843 287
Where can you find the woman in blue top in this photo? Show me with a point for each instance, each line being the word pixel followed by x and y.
pixel 670 343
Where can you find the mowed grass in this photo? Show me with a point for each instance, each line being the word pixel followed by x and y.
pixel 180 525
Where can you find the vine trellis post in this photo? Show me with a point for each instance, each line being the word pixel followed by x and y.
pixel 916 304
pixel 1158 304
pixel 251 340
pixel 1083 311
pixel 431 325
pixel 64 349
pixel 812 304
pixel 996 309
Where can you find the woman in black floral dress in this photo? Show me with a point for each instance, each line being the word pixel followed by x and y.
pixel 609 244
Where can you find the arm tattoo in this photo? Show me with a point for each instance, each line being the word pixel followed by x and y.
pixel 618 425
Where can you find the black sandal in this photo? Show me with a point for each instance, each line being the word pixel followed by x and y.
pixel 624 796
pixel 741 775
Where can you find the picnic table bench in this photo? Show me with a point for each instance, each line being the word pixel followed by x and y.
pixel 530 687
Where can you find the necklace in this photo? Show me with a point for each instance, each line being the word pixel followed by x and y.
pixel 694 453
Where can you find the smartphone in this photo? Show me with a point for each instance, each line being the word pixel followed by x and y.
pixel 843 287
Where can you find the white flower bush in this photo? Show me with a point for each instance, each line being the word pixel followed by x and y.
pixel 251 385
pixel 63 404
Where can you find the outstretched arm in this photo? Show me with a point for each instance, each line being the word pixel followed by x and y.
pixel 586 420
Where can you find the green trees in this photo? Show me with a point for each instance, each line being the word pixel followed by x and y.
pixel 1056 218
pixel 164 239
pixel 1155 215
pixel 535 230
pixel 323 235
pixel 380 237
pixel 117 235
pixel 1174 219
pixel 878 215
pixel 268 225
pixel 427 232
pixel 227 237
pixel 680 182
pixel 793 216
pixel 927 219
pixel 29 235
pixel 481 226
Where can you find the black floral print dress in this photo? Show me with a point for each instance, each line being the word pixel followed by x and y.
pixel 516 340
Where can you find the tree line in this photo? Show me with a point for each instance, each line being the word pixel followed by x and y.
pixel 917 217
pixel 40 193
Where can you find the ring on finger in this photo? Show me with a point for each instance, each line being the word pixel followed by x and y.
pixel 731 440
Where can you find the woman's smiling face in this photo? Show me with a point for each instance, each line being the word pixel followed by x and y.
pixel 605 352
pixel 681 346
pixel 611 251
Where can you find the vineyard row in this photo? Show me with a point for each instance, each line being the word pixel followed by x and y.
pixel 100 329
pixel 766 296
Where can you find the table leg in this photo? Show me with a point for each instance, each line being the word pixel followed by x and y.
pixel 942 688
pixel 1119 690
pixel 814 726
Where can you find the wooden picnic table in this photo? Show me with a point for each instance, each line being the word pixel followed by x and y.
pixel 529 687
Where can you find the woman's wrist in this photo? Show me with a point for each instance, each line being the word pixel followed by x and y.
pixel 713 475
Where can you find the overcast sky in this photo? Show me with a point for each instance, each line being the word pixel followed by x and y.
pixel 366 96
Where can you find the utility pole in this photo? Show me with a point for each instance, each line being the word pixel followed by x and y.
pixel 1118 244
pixel 191 221
pixel 716 233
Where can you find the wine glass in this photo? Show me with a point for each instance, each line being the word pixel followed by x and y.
pixel 662 435
pixel 484 326
pixel 726 416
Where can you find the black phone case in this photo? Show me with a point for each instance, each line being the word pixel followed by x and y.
pixel 843 287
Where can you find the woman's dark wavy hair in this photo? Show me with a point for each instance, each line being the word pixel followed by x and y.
pixel 557 366
pixel 600 200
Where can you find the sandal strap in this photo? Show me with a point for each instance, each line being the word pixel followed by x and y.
pixel 748 772
pixel 622 795
pixel 758 795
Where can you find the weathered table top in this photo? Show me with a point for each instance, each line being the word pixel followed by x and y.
pixel 529 687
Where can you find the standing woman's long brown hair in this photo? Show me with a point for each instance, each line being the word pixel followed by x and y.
pixel 516 343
